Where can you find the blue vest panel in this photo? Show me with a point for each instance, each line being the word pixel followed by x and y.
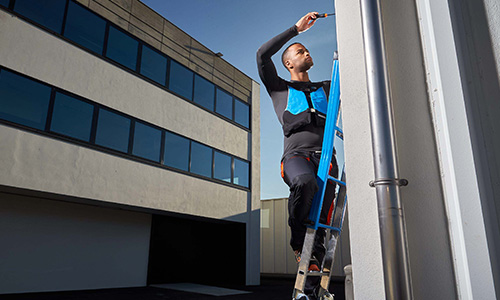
pixel 297 101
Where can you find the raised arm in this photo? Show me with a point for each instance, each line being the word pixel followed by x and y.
pixel 267 70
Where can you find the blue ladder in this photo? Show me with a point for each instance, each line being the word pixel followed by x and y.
pixel 337 213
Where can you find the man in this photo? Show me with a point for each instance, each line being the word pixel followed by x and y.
pixel 301 107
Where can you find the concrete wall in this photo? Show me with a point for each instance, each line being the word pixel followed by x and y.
pixel 477 33
pixel 51 245
pixel 363 219
pixel 431 262
pixel 432 275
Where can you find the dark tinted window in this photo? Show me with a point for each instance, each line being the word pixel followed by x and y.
pixel 222 166
pixel 48 13
pixel 241 113
pixel 176 151
pixel 204 92
pixel 72 117
pixel 224 104
pixel 122 48
pixel 147 142
pixel 201 159
pixel 153 65
pixel 181 80
pixel 113 130
pixel 85 28
pixel 23 100
pixel 240 172
pixel 4 3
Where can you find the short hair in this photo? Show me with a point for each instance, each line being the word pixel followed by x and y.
pixel 285 52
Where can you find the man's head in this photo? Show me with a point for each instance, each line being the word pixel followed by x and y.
pixel 296 58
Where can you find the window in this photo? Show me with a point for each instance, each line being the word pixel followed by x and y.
pixel 153 65
pixel 241 173
pixel 23 100
pixel 122 48
pixel 4 3
pixel 222 166
pixel 147 142
pixel 72 117
pixel 181 80
pixel 201 159
pixel 204 92
pixel 176 151
pixel 48 13
pixel 241 113
pixel 113 130
pixel 224 104
pixel 85 28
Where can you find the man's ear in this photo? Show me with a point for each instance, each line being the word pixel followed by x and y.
pixel 288 64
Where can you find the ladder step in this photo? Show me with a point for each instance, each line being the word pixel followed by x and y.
pixel 336 180
pixel 319 274
pixel 329 227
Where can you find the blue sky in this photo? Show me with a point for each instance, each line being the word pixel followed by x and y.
pixel 237 28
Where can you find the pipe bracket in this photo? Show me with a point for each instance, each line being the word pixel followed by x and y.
pixel 389 181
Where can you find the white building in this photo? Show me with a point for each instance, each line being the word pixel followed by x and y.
pixel 127 151
pixel 443 60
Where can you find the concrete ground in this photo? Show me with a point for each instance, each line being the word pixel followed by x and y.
pixel 270 288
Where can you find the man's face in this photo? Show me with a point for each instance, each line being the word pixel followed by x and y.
pixel 299 58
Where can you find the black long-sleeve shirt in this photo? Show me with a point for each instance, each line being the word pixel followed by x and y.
pixel 310 137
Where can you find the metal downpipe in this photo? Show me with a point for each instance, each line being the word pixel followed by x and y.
pixel 391 219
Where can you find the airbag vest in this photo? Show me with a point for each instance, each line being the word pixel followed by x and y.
pixel 304 107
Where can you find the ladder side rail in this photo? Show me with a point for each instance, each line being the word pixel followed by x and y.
pixel 327 147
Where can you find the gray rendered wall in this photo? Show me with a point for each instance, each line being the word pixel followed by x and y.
pixel 432 274
pixel 477 31
pixel 431 265
pixel 52 246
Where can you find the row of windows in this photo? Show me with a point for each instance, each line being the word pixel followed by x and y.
pixel 94 33
pixel 37 105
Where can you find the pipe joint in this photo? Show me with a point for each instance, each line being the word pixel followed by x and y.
pixel 389 181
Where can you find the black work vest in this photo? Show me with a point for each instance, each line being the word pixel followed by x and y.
pixel 305 105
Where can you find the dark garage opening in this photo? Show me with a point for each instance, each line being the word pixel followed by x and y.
pixel 197 250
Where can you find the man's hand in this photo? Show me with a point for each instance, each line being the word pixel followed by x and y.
pixel 306 22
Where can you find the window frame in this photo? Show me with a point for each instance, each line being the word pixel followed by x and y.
pixel 139 64
pixel 132 138
pixel 106 28
pixel 110 25
pixel 51 112
pixel 192 83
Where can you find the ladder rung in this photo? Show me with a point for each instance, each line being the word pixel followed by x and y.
pixel 336 180
pixel 329 227
pixel 316 273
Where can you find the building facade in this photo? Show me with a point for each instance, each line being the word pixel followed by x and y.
pixel 443 61
pixel 129 151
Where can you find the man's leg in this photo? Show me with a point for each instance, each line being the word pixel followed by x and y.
pixel 300 175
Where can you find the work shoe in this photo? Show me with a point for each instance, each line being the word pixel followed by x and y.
pixel 325 296
pixel 314 264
